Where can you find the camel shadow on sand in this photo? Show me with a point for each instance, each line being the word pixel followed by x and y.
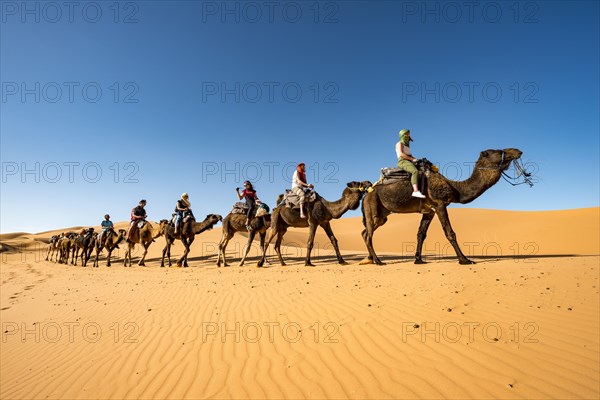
pixel 356 258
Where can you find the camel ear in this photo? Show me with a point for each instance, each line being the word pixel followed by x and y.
pixel 484 153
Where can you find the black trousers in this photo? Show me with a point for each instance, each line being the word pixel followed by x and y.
pixel 250 202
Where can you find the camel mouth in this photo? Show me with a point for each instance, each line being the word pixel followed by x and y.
pixel 512 154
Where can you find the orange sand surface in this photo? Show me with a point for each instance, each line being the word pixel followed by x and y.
pixel 521 323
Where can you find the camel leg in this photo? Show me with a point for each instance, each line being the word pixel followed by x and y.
pixel 312 229
pixel 185 251
pixel 421 235
pixel 247 247
pixel 142 262
pixel 219 247
pixel 223 248
pixel 327 228
pixel 89 253
pixel 272 234
pixel 108 255
pixel 127 255
pixel 278 246
pixel 166 250
pixel 98 250
pixel 442 213
pixel 84 252
pixel 171 241
pixel 185 260
pixel 262 239
pixel 371 221
pixel 367 234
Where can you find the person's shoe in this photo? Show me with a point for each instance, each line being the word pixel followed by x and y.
pixel 248 228
pixel 302 216
pixel 418 194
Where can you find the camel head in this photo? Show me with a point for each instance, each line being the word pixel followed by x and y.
pixel 158 232
pixel 354 191
pixel 213 219
pixel 498 159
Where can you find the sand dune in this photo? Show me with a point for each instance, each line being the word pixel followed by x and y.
pixel 507 327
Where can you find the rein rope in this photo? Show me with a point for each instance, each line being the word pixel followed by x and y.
pixel 512 179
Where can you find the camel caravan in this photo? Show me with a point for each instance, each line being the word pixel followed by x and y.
pixel 414 186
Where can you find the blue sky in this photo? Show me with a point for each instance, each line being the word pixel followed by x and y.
pixel 162 98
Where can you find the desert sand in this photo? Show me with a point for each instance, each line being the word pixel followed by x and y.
pixel 521 323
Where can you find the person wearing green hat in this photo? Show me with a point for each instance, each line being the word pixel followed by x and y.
pixel 406 160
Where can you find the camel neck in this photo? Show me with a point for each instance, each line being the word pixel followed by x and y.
pixel 200 227
pixel 338 207
pixel 474 186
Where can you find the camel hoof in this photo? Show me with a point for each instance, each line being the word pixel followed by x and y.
pixel 379 262
pixel 342 262
pixel 309 265
pixel 466 261
pixel 419 261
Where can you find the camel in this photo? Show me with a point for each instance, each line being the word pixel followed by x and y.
pixel 187 233
pixel 84 242
pixel 53 247
pixel 144 236
pixel 320 213
pixel 65 245
pixel 237 223
pixel 110 240
pixel 396 197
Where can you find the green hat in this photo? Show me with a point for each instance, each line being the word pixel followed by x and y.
pixel 404 132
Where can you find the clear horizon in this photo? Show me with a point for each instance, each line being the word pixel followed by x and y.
pixel 107 103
